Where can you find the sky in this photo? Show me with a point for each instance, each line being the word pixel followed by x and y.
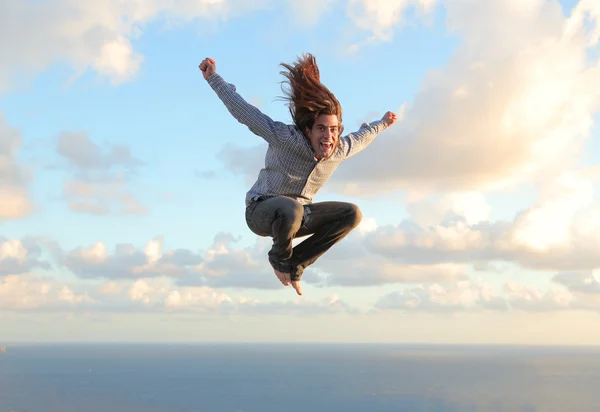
pixel 123 176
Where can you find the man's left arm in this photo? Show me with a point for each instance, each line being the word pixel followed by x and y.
pixel 354 143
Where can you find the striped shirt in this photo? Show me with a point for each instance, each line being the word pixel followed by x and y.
pixel 291 169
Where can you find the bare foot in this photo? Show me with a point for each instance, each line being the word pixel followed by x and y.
pixel 296 285
pixel 283 277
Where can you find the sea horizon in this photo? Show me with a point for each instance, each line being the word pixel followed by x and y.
pixel 257 377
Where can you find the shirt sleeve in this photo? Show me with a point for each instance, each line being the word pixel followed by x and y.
pixel 260 124
pixel 354 143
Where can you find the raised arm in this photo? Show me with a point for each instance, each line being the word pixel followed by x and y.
pixel 258 123
pixel 355 142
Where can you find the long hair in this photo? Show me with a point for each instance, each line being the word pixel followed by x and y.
pixel 307 97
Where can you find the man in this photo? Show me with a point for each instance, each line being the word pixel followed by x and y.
pixel 300 158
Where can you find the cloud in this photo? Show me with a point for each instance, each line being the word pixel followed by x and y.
pixel 98 186
pixel 585 283
pixel 380 16
pixel 195 298
pixel 348 268
pixel 14 178
pixel 221 265
pixel 301 306
pixel 346 264
pixel 92 36
pixel 179 281
pixel 515 103
pixel 128 262
pixel 472 206
pixel 440 243
pixel 20 256
pixel 244 161
pixel 162 295
pixel 110 196
pixel 31 292
pixel 452 297
pixel 529 299
pixel 85 154
pixel 308 12
pixel 477 296
pixel 224 265
pixel 584 288
pixel 558 232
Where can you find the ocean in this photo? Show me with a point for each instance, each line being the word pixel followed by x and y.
pixel 297 378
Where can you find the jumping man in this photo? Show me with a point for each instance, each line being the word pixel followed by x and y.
pixel 300 158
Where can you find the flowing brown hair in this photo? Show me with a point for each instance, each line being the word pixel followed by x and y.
pixel 307 97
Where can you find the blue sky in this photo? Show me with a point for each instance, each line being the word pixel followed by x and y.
pixel 480 205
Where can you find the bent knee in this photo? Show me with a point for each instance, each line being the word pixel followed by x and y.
pixel 290 209
pixel 354 215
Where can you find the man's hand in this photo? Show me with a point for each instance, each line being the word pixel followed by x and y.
pixel 390 118
pixel 208 67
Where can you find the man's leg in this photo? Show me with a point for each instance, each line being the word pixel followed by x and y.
pixel 281 218
pixel 329 222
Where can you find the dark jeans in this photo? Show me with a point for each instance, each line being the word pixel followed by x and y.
pixel 284 219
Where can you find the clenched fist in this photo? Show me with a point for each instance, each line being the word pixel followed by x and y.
pixel 390 118
pixel 208 67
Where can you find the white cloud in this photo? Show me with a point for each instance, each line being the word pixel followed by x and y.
pixel 28 292
pixel 552 221
pixel 139 291
pixel 245 161
pixel 12 249
pixel 458 296
pixel 84 154
pixel 14 178
pixel 558 232
pixel 515 103
pixel 195 298
pixel 349 264
pixel 98 185
pixel 478 296
pixel 94 36
pixel 472 206
pixel 300 306
pixel 111 288
pixel 524 298
pixel 149 295
pixel 102 198
pixel 380 16
pixel 585 283
pixel 346 267
pixel 129 262
pixel 225 265
pixel 20 256
pixel 367 225
pixel 308 12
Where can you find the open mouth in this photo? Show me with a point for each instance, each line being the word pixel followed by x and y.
pixel 326 146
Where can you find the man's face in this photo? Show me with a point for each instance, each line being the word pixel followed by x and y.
pixel 324 135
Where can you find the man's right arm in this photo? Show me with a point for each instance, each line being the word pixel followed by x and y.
pixel 260 124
